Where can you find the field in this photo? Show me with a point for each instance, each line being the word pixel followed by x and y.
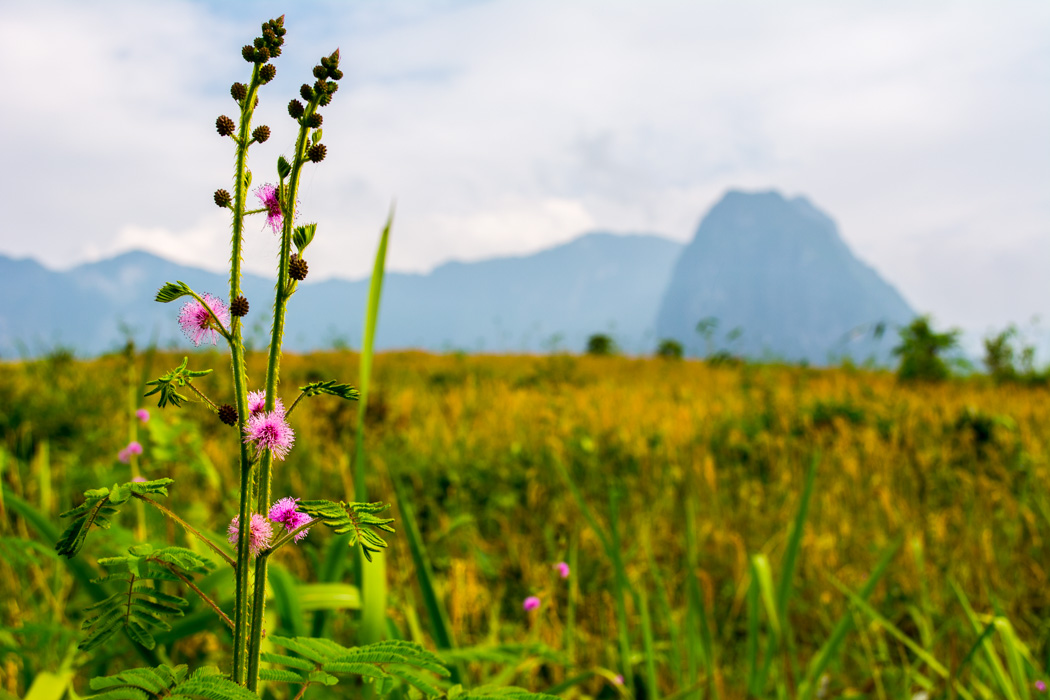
pixel 701 565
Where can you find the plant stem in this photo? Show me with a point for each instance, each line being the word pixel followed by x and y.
pixel 203 596
pixel 171 514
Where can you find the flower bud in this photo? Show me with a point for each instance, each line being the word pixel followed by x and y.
pixel 267 72
pixel 228 414
pixel 262 55
pixel 248 53
pixel 261 133
pixel 306 92
pixel 314 120
pixel 335 74
pixel 222 198
pixel 224 125
pixel 320 72
pixel 239 307
pixel 295 109
pixel 325 100
pixel 297 268
pixel 238 91
pixel 317 152
pixel 259 42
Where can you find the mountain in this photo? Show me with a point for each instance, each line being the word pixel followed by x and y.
pixel 599 282
pixel 781 282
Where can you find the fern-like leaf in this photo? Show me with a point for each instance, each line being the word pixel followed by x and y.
pixel 357 519
pixel 172 291
pixel 138 683
pixel 169 384
pixel 139 605
pixel 99 506
pixel 344 391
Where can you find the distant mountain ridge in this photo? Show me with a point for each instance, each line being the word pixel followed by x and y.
pixel 774 273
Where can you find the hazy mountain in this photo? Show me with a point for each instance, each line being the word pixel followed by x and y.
pixel 599 282
pixel 781 282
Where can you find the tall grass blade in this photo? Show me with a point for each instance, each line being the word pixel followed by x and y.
pixel 620 587
pixel 1005 685
pixel 647 641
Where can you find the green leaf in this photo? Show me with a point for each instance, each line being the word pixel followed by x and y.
pixel 97 508
pixel 169 384
pixel 356 519
pixel 302 236
pixel 343 391
pixel 284 168
pixel 172 291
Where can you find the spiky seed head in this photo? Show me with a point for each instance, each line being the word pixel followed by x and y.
pixel 325 100
pixel 228 414
pixel 259 42
pixel 306 92
pixel 335 74
pixel 315 120
pixel 222 198
pixel 262 55
pixel 295 109
pixel 297 268
pixel 320 72
pixel 238 91
pixel 317 152
pixel 261 133
pixel 224 125
pixel 239 307
pixel 248 53
pixel 267 73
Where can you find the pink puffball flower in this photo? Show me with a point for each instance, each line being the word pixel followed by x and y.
pixel 267 194
pixel 143 415
pixel 259 535
pixel 124 456
pixel 1040 686
pixel 198 324
pixel 139 479
pixel 563 569
pixel 531 603
pixel 270 431
pixel 257 403
pixel 284 512
pixel 134 448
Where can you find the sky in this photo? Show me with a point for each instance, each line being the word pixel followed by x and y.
pixel 504 127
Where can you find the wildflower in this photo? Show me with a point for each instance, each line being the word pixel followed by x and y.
pixel 270 431
pixel 531 603
pixel 1040 686
pixel 134 448
pixel 124 456
pixel 267 194
pixel 284 512
pixel 198 324
pixel 139 479
pixel 257 403
pixel 143 415
pixel 619 679
pixel 259 534
pixel 563 569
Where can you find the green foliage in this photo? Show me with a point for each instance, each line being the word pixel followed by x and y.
pixel 139 604
pixel 172 291
pixel 344 391
pixel 358 520
pixel 170 683
pixel 173 380
pixel 99 506
pixel 303 235
pixel 602 345
pixel 1001 359
pixel 921 350
pixel 670 349
pixel 385 664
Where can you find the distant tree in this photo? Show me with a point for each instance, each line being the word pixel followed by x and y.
pixel 601 344
pixel 669 349
pixel 999 355
pixel 921 350
pixel 706 328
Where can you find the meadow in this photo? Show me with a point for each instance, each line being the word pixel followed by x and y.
pixel 732 530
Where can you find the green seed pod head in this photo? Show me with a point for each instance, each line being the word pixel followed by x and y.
pixel 317 152
pixel 248 53
pixel 320 72
pixel 238 91
pixel 259 42
pixel 315 120
pixel 325 100
pixel 267 73
pixel 222 198
pixel 306 92
pixel 224 125
pixel 261 133
pixel 262 55
pixel 335 74
pixel 295 109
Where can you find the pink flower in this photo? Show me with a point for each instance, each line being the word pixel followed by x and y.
pixel 531 603
pixel 284 512
pixel 124 456
pixel 1040 686
pixel 563 569
pixel 267 194
pixel 618 680
pixel 134 448
pixel 198 324
pixel 139 479
pixel 257 403
pixel 270 431
pixel 143 415
pixel 259 535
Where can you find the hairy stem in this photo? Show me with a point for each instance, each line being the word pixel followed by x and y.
pixel 202 595
pixel 171 514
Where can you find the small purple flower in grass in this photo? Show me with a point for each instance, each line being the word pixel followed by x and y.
pixel 257 403
pixel 139 479
pixel 1040 686
pixel 134 448
pixel 270 431
pixel 531 603
pixel 563 569
pixel 259 535
pixel 267 194
pixel 198 324
pixel 284 512
pixel 124 456
pixel 143 415
pixel 619 679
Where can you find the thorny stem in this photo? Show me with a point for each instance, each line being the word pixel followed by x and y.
pixel 203 397
pixel 202 595
pixel 171 514
pixel 295 403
